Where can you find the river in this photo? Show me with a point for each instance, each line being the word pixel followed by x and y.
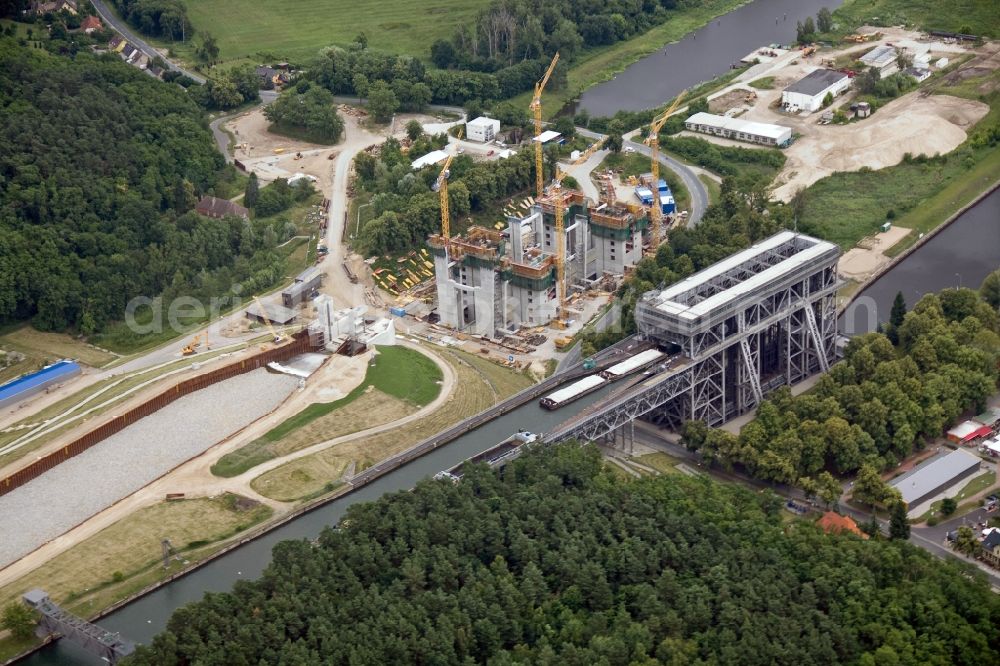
pixel 961 254
pixel 145 617
pixel 700 56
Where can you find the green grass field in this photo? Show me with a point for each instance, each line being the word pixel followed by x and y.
pixel 399 372
pixel 296 30
pixel 981 16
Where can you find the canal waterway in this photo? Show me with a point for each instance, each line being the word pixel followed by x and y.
pixel 961 254
pixel 701 55
pixel 145 617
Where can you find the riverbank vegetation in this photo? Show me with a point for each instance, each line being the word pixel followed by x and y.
pixel 479 383
pixel 919 193
pixel 126 557
pixel 879 403
pixel 559 562
pixel 975 17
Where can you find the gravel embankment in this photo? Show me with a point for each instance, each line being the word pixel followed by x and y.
pixel 82 486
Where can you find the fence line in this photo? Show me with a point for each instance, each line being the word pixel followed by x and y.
pixel 299 344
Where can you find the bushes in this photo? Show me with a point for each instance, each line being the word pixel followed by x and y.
pixel 727 160
pixel 279 196
pixel 311 113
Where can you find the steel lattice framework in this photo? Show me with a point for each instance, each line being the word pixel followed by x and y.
pixel 763 318
pixel 107 645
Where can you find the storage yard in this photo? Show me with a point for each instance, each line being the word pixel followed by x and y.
pixel 915 123
pixel 84 485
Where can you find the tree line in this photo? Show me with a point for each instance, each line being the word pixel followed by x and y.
pixel 158 18
pixel 101 167
pixel 877 404
pixel 555 561
pixel 406 209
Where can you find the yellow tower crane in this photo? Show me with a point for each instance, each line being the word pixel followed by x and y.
pixel 653 141
pixel 441 187
pixel 556 193
pixel 267 322
pixel 536 108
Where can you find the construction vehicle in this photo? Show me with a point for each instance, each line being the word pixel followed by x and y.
pixel 275 337
pixel 192 347
pixel 562 343
pixel 536 108
pixel 653 141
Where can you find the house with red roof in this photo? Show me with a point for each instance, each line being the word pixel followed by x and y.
pixel 834 523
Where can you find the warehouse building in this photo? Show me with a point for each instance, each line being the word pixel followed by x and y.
pixel 739 130
pixel 22 388
pixel 928 481
pixel 482 129
pixel 882 59
pixel 303 287
pixel 807 93
pixel 491 281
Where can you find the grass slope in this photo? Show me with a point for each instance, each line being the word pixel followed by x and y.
pixel 297 29
pixel 982 16
pixel 846 207
pixel 401 373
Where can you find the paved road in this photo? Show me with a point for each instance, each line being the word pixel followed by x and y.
pixel 221 138
pixel 111 19
pixel 699 195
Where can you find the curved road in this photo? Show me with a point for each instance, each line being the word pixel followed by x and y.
pixel 699 195
pixel 112 19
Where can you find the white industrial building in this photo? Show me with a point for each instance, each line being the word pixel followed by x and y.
pixel 740 130
pixel 943 476
pixel 482 129
pixel 807 93
pixel 433 157
pixel 491 281
pixel 882 59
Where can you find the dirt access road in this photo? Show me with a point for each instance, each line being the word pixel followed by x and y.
pixel 194 477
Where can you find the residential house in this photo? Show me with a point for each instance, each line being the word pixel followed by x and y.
pixel 90 24
pixel 116 44
pixel 130 53
pixel 155 71
pixel 276 77
pixel 991 548
pixel 216 207
pixel 834 523
pixel 39 7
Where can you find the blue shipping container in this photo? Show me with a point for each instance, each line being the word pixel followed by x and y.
pixel 399 312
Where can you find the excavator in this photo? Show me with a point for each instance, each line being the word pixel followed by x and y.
pixel 196 341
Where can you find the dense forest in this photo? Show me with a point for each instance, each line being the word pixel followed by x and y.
pixel 405 208
pixel 159 18
pixel 557 562
pixel 100 168
pixel 502 54
pixel 878 403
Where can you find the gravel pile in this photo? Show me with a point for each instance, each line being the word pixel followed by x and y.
pixel 82 486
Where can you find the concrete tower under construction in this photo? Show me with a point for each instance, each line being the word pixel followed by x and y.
pixel 490 281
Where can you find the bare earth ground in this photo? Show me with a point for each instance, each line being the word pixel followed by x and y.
pixel 195 478
pixel 860 263
pixel 911 124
